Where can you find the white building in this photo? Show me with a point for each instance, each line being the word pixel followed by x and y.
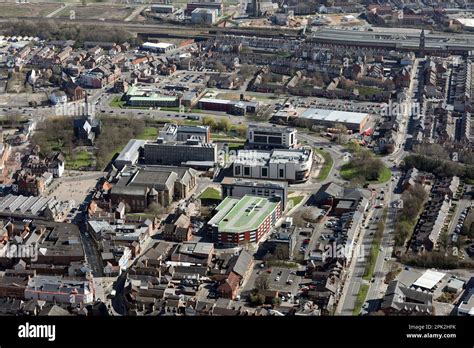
pixel 58 97
pixel 160 47
pixel 259 137
pixel 293 165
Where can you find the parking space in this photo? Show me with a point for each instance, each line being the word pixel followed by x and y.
pixel 284 280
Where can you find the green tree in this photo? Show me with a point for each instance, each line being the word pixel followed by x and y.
pixel 224 124
pixel 262 282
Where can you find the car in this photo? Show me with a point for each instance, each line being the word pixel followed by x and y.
pixel 277 279
pixel 262 265
pixel 407 268
pixel 289 281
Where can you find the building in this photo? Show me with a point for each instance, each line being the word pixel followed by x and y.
pixel 204 16
pixel 191 151
pixel 60 290
pixel 245 220
pixel 354 121
pixel 289 165
pixel 174 132
pixel 43 208
pixel 238 188
pixel 142 97
pixel 58 97
pixel 139 187
pixel 218 5
pixel 234 107
pixel 162 8
pixel 402 300
pixel 259 137
pixel 130 154
pixel 87 129
pixel 178 231
pixel 160 47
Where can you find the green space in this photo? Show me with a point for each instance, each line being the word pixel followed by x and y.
pixel 365 90
pixel 79 160
pixel 211 194
pixel 364 167
pixel 361 296
pixel 117 102
pixel 149 133
pixel 235 146
pixel 327 165
pixel 294 201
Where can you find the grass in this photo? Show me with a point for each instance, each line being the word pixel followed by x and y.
pixel 363 290
pixel 117 102
pixel 294 201
pixel 235 146
pixel 81 159
pixel 211 194
pixel 328 163
pixel 348 173
pixel 150 133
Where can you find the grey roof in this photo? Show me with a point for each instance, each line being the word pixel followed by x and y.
pixel 243 263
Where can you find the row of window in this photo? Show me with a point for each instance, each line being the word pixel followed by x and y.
pixel 263 172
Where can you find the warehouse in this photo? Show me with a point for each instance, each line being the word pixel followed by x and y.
pixel 160 47
pixel 245 220
pixel 355 121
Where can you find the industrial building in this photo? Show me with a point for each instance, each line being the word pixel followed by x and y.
pixel 355 121
pixel 289 165
pixel 216 4
pixel 259 137
pixel 191 152
pixel 238 188
pixel 160 47
pixel 244 220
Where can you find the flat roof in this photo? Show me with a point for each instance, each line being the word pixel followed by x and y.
pixel 157 45
pixel 334 116
pixel 244 214
pixel 130 150
pixel 429 279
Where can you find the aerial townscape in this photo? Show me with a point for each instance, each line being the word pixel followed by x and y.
pixel 237 158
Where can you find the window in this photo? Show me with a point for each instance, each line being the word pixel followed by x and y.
pixel 237 170
pixel 247 171
pixel 282 173
pixel 264 172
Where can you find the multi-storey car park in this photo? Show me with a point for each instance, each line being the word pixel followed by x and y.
pixel 244 220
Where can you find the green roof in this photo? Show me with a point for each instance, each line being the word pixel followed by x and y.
pixel 245 214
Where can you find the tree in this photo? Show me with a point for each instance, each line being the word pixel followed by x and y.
pixel 276 301
pixel 280 253
pixel 224 124
pixel 256 298
pixel 247 70
pixel 156 209
pixel 262 282
pixel 341 132
pixel 220 67
pixel 241 130
pixel 209 121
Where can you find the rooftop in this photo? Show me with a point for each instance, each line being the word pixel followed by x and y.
pixel 334 116
pixel 245 214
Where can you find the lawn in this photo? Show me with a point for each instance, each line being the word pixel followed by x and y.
pixel 210 194
pixel 363 290
pixel 328 163
pixel 27 10
pixel 348 173
pixel 150 133
pixel 117 102
pixel 81 159
pixel 294 201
